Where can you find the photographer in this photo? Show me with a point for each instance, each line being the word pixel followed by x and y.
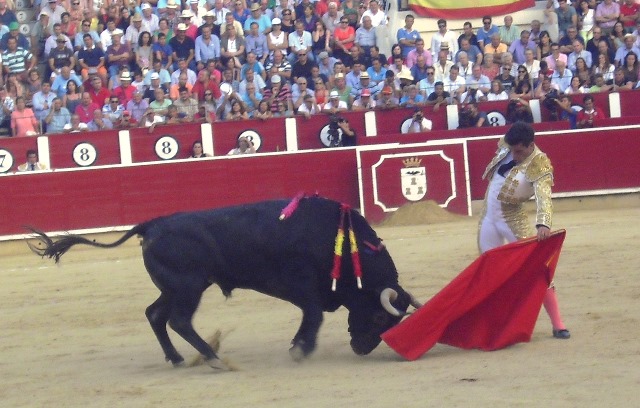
pixel 340 132
pixel 471 117
pixel 568 112
pixel 419 123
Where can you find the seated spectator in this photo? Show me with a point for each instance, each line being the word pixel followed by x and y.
pixel 472 94
pixel 599 84
pixel 631 66
pixel 472 117
pixel 309 107
pixel 99 122
pixel 92 59
pixel 264 110
pixel 174 91
pixel 75 126
pixel 496 47
pixel 127 121
pixel 387 100
pixel 251 78
pixel 497 92
pixel 57 118
pixel 334 105
pixel 150 93
pixel 186 105
pixel 86 108
pixel 454 84
pixel 438 97
pixel 23 121
pixel 443 66
pixel 365 101
pixel 158 106
pixel 604 68
pixel 245 146
pixel 137 106
pixel 488 68
pixel 519 111
pixel 427 85
pixel 32 164
pixel 278 92
pixel 464 65
pixel 479 80
pixel 197 152
pixel 419 123
pixel 575 87
pixel 174 117
pixel 412 98
pixel 125 90
pixel 620 82
pixel 278 66
pixel 113 110
pixel 150 121
pixel 590 115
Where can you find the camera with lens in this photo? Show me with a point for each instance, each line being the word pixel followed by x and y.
pixel 334 129
pixel 418 115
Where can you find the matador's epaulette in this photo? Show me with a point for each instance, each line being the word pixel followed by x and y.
pixel 539 167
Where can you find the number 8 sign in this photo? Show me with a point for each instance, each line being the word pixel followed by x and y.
pixel 167 147
pixel 84 154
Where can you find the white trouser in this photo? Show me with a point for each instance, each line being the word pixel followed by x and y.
pixel 494 230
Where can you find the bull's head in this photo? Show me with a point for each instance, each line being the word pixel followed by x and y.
pixel 375 315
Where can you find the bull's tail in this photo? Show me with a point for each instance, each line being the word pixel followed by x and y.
pixel 45 246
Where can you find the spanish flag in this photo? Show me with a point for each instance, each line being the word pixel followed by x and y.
pixel 492 304
pixel 465 9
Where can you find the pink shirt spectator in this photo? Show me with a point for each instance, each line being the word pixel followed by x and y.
pixel 24 123
pixel 413 55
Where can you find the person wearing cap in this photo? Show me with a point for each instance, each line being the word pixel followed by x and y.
pixel 364 84
pixel 155 83
pixel 342 88
pixel 442 66
pixel 264 22
pixel 277 40
pixel 326 64
pixel 387 99
pixel 197 13
pixel 257 43
pixel 364 101
pixel 60 56
pixel 54 10
pixel 335 104
pixel 125 90
pixel 629 46
pixel 132 32
pixel 14 32
pixel 207 47
pixel 17 60
pixel 278 93
pixel 118 55
pixel 444 35
pixel 183 48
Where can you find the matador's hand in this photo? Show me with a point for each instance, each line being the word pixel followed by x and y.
pixel 543 232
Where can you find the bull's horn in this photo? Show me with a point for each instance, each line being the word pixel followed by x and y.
pixel 413 301
pixel 387 296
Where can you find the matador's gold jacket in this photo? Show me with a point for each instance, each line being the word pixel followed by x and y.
pixel 532 177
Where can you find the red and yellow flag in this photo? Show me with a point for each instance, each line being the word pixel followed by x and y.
pixel 464 9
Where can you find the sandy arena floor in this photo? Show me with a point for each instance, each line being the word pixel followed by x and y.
pixel 75 335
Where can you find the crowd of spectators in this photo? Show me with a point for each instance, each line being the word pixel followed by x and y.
pixel 121 64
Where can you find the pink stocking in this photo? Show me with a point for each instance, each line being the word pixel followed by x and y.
pixel 551 306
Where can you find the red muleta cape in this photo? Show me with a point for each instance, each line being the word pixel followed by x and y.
pixel 492 304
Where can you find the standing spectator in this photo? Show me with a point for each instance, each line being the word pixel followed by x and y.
pixel 467 34
pixel 446 36
pixel 23 121
pixel 407 36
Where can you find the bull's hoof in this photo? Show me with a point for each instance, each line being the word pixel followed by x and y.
pixel 218 364
pixel 297 353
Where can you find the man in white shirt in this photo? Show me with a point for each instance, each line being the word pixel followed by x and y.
pixel 377 16
pixel 454 84
pixel 443 35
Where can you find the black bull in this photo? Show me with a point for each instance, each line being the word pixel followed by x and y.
pixel 248 247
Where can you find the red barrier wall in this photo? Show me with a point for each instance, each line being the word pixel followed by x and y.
pixel 105 143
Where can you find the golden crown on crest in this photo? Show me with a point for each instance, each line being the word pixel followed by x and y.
pixel 412 162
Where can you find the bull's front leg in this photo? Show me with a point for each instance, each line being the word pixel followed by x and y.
pixel 304 342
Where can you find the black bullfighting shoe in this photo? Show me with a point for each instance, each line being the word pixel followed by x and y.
pixel 561 334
